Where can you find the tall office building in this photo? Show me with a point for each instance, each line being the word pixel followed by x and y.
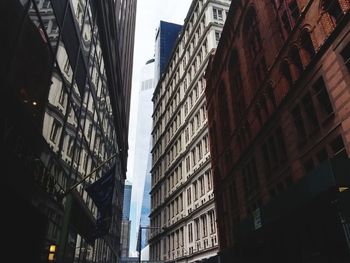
pixel 278 111
pixel 140 167
pixel 146 204
pixel 65 74
pixel 166 37
pixel 126 223
pixel 182 200
pixel 127 200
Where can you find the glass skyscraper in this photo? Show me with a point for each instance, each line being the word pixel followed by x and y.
pixel 140 167
pixel 166 37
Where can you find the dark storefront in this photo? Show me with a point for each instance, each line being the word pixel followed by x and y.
pixel 310 222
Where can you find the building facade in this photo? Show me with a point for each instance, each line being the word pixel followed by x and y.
pixel 183 227
pixel 279 123
pixel 65 100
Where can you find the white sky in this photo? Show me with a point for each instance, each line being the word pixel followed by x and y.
pixel 149 13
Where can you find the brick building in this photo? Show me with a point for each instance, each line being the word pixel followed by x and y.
pixel 278 111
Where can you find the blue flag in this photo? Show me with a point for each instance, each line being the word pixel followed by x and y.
pixel 101 192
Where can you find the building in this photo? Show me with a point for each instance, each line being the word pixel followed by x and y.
pixel 140 166
pixel 146 206
pixel 277 93
pixel 183 227
pixel 127 199
pixel 125 240
pixel 126 223
pixel 166 37
pixel 65 74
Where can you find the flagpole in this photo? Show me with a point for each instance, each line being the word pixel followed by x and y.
pixel 89 175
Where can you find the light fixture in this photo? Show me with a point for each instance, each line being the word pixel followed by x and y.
pixel 52 252
pixel 34 103
pixel 52 248
pixel 342 189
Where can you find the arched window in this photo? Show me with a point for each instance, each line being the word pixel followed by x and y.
pixel 287 76
pixel 288 13
pixel 297 65
pixel 254 46
pixel 252 34
pixel 307 47
pixel 224 111
pixel 234 73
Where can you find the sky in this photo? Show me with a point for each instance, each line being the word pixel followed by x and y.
pixel 149 13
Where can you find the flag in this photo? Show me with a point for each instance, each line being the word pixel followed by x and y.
pixel 101 192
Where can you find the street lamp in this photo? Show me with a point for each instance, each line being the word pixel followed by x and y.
pixel 140 237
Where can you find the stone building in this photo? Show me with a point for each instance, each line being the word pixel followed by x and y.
pixel 183 227
pixel 278 111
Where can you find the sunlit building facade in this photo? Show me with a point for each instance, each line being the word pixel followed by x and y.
pixel 183 227
pixel 67 93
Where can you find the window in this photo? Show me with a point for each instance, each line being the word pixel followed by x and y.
pixel 201 184
pixel 307 45
pixel 204 224
pixel 250 177
pixel 197 227
pixel 295 57
pixel 234 72
pixel 200 152
pixel 224 111
pixel 322 98
pixel 62 96
pixel 54 131
pixel 190 233
pixel 254 46
pixel 286 73
pixel 70 147
pixel 189 196
pixel 188 164
pixel 206 146
pixel 195 190
pixel 288 13
pixel 346 56
pixel 217 14
pixel 193 156
pixel 253 34
pixel 338 147
pixel 212 221
pixel 310 113
pixel 209 182
pixel 299 125
pixel 217 36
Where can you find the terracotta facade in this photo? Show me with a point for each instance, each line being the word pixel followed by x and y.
pixel 278 109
